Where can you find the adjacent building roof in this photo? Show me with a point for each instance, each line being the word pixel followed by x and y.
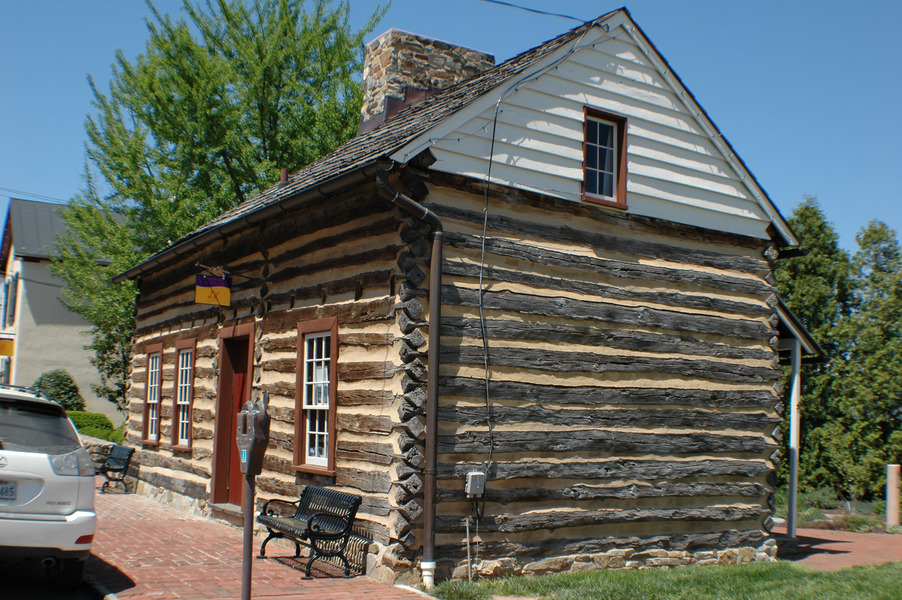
pixel 34 227
pixel 355 161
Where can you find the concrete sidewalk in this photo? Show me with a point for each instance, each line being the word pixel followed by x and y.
pixel 143 549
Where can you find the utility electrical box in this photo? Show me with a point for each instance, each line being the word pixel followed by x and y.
pixel 475 485
pixel 252 436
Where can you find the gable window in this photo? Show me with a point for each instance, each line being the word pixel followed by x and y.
pixel 316 393
pixel 184 394
pixel 604 158
pixel 154 384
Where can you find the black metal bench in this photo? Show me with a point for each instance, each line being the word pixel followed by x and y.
pixel 321 519
pixel 114 465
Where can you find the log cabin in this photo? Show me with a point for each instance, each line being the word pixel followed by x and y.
pixel 528 314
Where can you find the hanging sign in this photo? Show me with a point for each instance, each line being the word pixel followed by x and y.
pixel 6 347
pixel 213 290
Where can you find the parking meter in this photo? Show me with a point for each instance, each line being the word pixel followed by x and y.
pixel 253 435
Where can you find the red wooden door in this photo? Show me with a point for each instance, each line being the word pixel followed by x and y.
pixel 234 379
pixel 238 358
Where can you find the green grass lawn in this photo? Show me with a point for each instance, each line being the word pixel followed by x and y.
pixel 771 581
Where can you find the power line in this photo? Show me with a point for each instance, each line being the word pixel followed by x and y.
pixel 535 10
pixel 37 196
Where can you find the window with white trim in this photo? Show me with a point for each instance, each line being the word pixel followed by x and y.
pixel 152 397
pixel 604 166
pixel 184 393
pixel 317 350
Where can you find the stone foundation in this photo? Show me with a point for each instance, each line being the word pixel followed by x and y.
pixel 620 558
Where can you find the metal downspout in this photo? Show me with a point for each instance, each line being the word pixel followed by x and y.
pixel 435 304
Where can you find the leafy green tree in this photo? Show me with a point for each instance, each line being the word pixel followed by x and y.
pixel 59 386
pixel 200 121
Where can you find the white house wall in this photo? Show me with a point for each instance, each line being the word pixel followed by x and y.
pixel 50 337
pixel 676 169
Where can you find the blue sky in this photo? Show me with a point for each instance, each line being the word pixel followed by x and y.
pixel 809 92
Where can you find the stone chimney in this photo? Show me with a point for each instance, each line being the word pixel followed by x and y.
pixel 402 68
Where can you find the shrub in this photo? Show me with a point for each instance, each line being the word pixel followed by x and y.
pixel 97 425
pixel 59 386
pixel 879 507
pixel 820 498
pixel 94 420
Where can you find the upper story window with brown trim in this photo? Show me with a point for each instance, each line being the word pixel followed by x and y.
pixel 183 401
pixel 604 158
pixel 152 392
pixel 315 403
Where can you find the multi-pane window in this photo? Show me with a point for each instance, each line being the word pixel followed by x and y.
pixel 317 349
pixel 152 399
pixel 184 394
pixel 601 159
pixel 604 168
pixel 316 397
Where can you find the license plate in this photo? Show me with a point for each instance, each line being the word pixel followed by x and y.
pixel 7 491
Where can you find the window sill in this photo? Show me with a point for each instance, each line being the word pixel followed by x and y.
pixel 314 470
pixel 180 448
pixel 603 201
pixel 150 443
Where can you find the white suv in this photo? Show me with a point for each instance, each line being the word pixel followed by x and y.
pixel 46 487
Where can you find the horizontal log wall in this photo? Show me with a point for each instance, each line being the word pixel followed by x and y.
pixel 632 380
pixel 334 259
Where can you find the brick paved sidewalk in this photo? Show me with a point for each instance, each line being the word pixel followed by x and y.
pixel 829 550
pixel 143 549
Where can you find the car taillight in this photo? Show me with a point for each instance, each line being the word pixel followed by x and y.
pixel 74 463
pixel 85 539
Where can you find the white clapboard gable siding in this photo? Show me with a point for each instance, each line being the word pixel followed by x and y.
pixel 679 168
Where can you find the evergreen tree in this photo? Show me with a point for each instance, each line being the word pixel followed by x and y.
pixel 200 121
pixel 817 287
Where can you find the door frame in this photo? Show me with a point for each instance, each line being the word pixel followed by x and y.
pixel 223 433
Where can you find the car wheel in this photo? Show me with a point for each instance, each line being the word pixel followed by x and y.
pixel 66 574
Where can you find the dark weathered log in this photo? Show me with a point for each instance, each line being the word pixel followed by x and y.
pixel 365 370
pixel 415 426
pixel 415 338
pixel 629 417
pixel 372 481
pixel 415 276
pixel 413 457
pixel 534 521
pixel 416 397
pixel 626 339
pixel 413 308
pixel 558 206
pixel 582 491
pixel 547 360
pixel 601 290
pixel 350 313
pixel 365 339
pixel 408 325
pixel 415 369
pixel 348 397
pixel 367 424
pixel 626 244
pixel 626 468
pixel 380 454
pixel 156 459
pixel 610 268
pixel 591 395
pixel 409 354
pixel 594 440
pixel 408 383
pixel 608 313
pixel 408 291
pixel 557 545
pixel 406 411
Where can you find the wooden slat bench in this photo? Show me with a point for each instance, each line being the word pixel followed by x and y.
pixel 321 519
